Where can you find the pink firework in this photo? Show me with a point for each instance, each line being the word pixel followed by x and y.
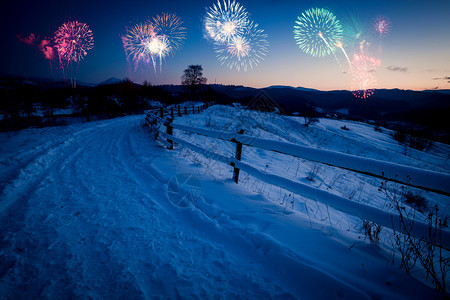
pixel 382 25
pixel 29 40
pixel 363 75
pixel 47 49
pixel 72 41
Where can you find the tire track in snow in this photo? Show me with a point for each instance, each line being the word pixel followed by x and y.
pixel 97 220
pixel 123 212
pixel 81 224
pixel 42 251
pixel 33 173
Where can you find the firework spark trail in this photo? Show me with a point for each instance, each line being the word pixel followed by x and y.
pixel 340 46
pixel 320 34
pixel 226 20
pixel 317 32
pixel 243 51
pixel 72 41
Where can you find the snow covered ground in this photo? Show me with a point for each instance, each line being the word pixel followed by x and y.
pixel 100 210
pixel 360 140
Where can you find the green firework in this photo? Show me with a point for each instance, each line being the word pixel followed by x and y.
pixel 318 32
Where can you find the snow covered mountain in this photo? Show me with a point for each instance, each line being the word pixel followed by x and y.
pixel 101 210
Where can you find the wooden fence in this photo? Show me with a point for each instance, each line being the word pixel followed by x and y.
pixel 178 110
pixel 428 180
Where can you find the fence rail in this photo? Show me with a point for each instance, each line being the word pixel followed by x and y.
pixel 424 179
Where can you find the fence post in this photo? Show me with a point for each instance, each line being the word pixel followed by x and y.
pixel 169 130
pixel 198 109
pixel 179 111
pixel 154 122
pixel 193 109
pixel 161 112
pixel 238 157
pixel 171 112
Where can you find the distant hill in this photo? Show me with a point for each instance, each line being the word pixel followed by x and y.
pixel 396 105
pixel 438 91
pixel 112 80
pixel 299 88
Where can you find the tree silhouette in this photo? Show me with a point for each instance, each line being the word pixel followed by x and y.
pixel 193 79
pixel 309 114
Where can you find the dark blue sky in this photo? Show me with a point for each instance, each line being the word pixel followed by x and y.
pixel 414 55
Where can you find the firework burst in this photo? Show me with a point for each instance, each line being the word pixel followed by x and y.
pixel 317 32
pixel 363 75
pixel 243 51
pixel 226 20
pixel 382 25
pixel 136 43
pixel 169 30
pixel 72 41
pixel 152 42
pixel 238 42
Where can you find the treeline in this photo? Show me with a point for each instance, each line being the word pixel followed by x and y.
pixel 24 104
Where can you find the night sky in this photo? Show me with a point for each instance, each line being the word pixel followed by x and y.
pixel 415 54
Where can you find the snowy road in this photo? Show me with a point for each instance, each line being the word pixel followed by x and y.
pixel 85 213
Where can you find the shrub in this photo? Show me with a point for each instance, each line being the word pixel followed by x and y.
pixel 425 251
pixel 313 172
pixel 419 143
pixel 400 136
pixel 417 200
pixel 414 139
pixel 208 121
pixel 372 231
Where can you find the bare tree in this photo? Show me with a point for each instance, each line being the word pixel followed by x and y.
pixel 192 79
pixel 309 114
